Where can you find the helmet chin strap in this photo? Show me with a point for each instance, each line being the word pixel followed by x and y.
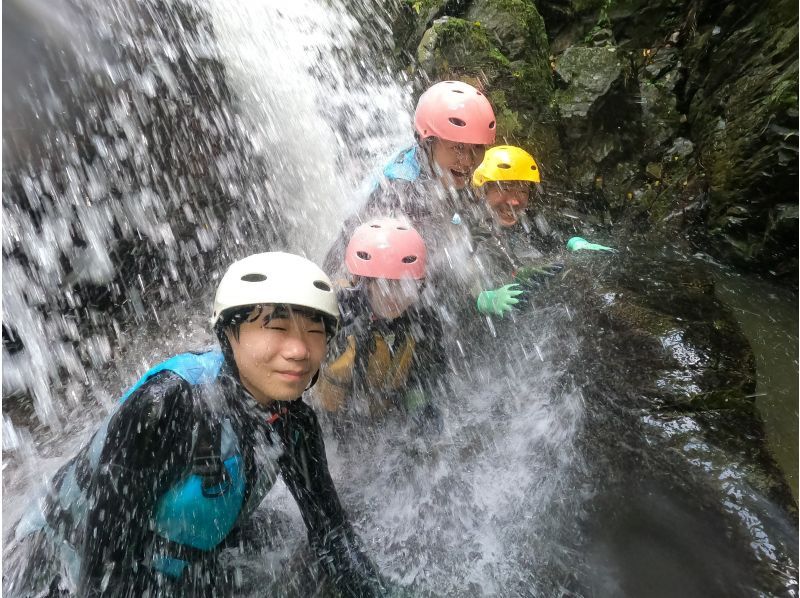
pixel 227 354
pixel 313 381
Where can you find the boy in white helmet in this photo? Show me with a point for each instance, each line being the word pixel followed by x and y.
pixel 193 448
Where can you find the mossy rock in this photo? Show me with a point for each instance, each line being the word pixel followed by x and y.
pixel 455 47
pixel 745 128
pixel 516 27
pixel 589 74
pixel 411 19
pixel 509 122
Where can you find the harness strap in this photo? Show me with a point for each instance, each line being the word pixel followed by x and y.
pixel 207 460
pixel 173 558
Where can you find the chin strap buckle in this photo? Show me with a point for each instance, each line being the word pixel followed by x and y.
pixel 276 415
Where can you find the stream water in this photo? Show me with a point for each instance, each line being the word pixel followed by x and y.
pixel 768 317
pixel 521 493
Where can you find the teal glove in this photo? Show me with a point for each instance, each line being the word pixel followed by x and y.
pixel 578 243
pixel 500 301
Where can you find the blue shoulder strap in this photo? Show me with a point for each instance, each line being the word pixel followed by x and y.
pixel 405 166
pixel 195 368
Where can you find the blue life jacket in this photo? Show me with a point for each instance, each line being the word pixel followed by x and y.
pixel 187 514
pixel 405 166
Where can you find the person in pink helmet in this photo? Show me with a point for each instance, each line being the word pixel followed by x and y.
pixel 387 354
pixel 454 123
pixel 429 181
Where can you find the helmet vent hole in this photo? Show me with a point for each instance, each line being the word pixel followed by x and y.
pixel 254 277
pixel 402 228
pixel 504 165
pixel 363 255
pixel 409 259
pixel 533 167
pixel 322 286
pixel 374 225
pixel 491 125
pixel 457 91
pixel 457 122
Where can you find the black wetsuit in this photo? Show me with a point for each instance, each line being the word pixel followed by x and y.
pixel 419 330
pixel 429 360
pixel 169 429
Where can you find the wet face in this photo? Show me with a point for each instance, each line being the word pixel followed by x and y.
pixel 456 161
pixel 389 299
pixel 507 200
pixel 278 352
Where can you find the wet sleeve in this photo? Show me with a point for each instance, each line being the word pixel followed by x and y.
pixel 428 379
pixel 335 384
pixel 430 360
pixel 305 470
pixel 147 448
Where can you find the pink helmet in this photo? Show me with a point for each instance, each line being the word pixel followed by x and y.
pixel 386 248
pixel 455 111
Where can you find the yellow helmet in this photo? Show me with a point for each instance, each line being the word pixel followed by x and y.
pixel 506 163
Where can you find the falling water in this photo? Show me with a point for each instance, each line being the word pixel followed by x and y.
pixel 169 137
pixel 319 112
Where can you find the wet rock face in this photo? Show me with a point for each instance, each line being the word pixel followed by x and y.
pixel 666 328
pixel 744 121
pixel 595 108
pixel 588 75
pixel 660 115
pixel 122 171
pixel 668 379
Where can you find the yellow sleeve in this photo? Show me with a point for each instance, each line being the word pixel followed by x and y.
pixel 336 380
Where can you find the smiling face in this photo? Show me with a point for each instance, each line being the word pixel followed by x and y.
pixel 277 352
pixel 456 161
pixel 507 200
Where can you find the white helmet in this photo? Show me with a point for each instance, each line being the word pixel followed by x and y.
pixel 275 277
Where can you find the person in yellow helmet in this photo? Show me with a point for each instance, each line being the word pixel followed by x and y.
pixel 505 180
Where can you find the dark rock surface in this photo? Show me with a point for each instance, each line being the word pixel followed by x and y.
pixel 669 381
pixel 121 172
pixel 668 117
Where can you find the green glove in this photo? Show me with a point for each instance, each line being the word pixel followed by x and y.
pixel 500 301
pixel 533 275
pixel 414 400
pixel 578 243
